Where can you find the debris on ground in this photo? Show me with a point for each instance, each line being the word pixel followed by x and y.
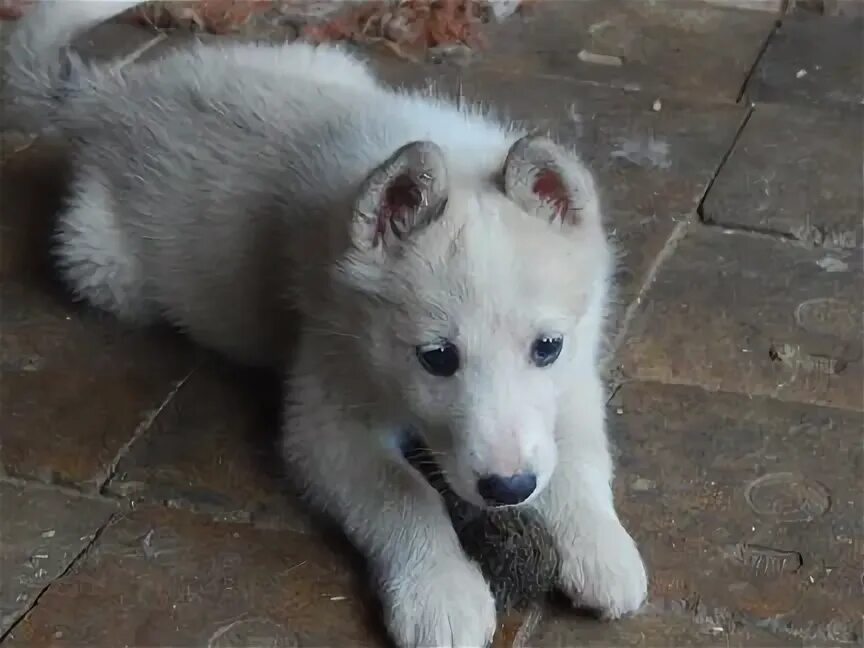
pixel 411 29
pixel 213 16
pixel 12 9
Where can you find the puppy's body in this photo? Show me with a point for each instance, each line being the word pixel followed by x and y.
pixel 222 188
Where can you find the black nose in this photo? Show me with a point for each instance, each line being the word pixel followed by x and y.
pixel 506 491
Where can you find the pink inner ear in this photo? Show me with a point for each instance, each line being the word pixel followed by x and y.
pixel 403 193
pixel 400 197
pixel 549 187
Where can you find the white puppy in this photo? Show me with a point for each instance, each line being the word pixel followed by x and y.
pixel 451 274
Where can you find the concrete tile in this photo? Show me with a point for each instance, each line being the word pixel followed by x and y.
pixel 748 510
pixel 795 171
pixel 753 315
pixel 683 47
pixel 652 166
pixel 44 530
pixel 76 385
pixel 812 60
pixel 171 578
pixel 214 448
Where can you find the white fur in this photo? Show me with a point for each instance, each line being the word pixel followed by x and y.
pixel 215 188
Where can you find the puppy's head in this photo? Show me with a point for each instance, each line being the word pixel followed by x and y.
pixel 482 303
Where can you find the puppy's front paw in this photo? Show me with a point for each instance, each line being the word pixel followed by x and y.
pixel 445 604
pixel 602 569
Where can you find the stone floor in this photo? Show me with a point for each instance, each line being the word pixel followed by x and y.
pixel 140 496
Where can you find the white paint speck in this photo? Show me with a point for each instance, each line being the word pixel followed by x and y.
pixel 800 74
pixel 642 485
pixel 598 26
pixel 49 534
pixel 657 106
pixel 832 264
pixel 649 152
pixel 504 8
pixel 600 59
pixel 338 598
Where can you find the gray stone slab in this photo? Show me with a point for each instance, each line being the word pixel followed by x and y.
pixel 77 386
pixel 754 315
pixel 664 48
pixel 812 60
pixel 158 577
pixel 215 448
pixel 43 531
pixel 795 171
pixel 748 510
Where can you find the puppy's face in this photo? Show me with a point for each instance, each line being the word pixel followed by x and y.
pixel 483 313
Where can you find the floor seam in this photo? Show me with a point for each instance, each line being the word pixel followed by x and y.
pixel 81 555
pixel 139 433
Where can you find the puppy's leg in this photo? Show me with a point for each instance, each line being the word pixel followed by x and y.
pixel 601 567
pixel 431 593
pixel 94 255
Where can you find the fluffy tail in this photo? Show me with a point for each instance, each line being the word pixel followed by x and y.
pixel 37 64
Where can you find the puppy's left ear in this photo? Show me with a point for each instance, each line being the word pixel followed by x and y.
pixel 546 180
pixel 403 195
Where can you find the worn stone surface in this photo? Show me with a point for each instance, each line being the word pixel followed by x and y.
pixel 662 48
pixel 76 385
pixel 754 315
pixel 812 60
pixel 795 171
pixel 43 531
pixel 214 448
pixel 652 166
pixel 171 578
pixel 748 510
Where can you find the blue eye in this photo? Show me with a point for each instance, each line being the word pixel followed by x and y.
pixel 545 350
pixel 439 359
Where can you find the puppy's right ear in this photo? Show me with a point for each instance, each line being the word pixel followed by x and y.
pixel 399 198
pixel 548 181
